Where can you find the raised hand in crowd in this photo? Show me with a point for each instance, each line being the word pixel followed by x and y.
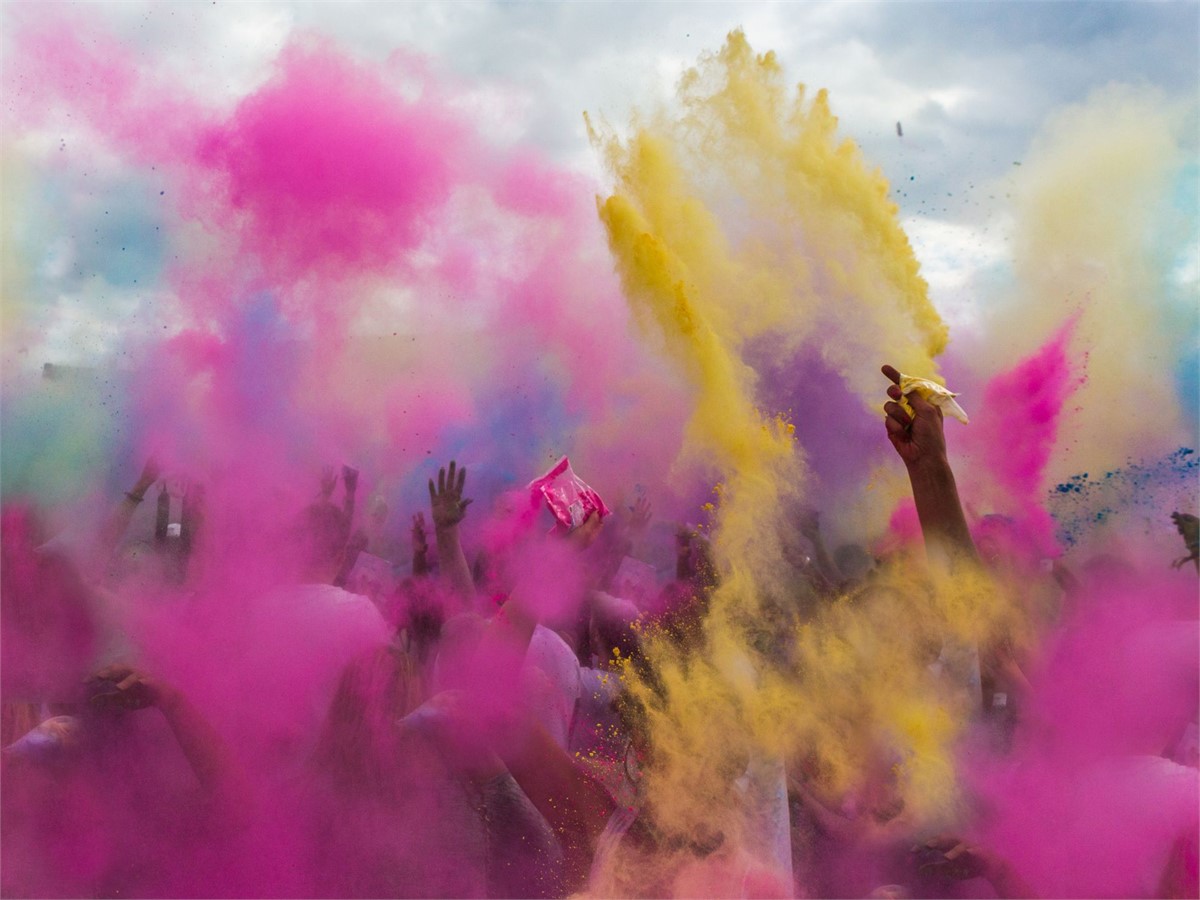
pixel 118 523
pixel 191 517
pixel 446 501
pixel 1189 529
pixel 162 515
pixel 122 688
pixel 448 508
pixel 920 441
pixel 949 858
pixel 587 532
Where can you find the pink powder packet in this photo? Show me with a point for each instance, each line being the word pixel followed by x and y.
pixel 567 495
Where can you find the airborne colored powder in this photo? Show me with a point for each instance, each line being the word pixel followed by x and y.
pixel 345 265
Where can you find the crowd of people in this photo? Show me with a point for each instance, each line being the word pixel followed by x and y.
pixel 470 728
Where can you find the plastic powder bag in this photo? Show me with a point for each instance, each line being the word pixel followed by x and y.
pixel 934 393
pixel 568 496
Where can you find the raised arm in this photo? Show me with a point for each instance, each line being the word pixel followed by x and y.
pixel 448 509
pixel 920 442
pixel 350 483
pixel 572 801
pixel 121 687
pixel 950 859
pixel 420 546
pixel 191 523
pixel 118 522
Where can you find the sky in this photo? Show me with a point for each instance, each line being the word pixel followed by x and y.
pixel 969 83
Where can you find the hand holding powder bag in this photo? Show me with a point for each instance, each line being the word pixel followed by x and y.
pixel 567 496
pixel 934 393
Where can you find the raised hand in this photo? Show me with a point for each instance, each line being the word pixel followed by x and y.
pixel 120 688
pixel 920 438
pixel 350 479
pixel 586 533
pixel 1189 529
pixel 952 859
pixel 150 474
pixel 948 857
pixel 446 501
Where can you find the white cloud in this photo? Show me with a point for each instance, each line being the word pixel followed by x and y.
pixel 971 82
pixel 951 256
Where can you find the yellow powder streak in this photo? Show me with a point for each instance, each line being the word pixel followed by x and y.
pixel 741 218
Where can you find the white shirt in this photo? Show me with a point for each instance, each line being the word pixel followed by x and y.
pixel 550 684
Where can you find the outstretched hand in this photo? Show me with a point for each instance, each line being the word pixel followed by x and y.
pixel 446 501
pixel 949 857
pixel 919 438
pixel 587 531
pixel 120 688
pixel 1189 529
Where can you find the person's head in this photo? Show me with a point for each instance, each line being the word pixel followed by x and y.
pixel 321 536
pixel 419 609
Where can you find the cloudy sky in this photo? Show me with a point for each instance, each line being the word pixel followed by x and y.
pixel 971 82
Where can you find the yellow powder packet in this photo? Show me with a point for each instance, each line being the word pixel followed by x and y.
pixel 934 393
